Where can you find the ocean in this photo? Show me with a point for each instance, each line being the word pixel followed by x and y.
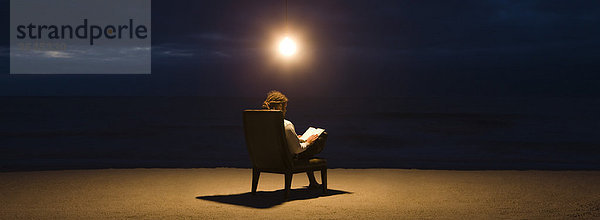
pixel 41 133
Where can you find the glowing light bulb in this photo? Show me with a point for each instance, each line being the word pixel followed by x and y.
pixel 287 47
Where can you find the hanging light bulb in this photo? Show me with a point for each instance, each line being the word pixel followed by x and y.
pixel 287 46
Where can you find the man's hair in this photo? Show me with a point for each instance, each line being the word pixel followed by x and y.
pixel 274 97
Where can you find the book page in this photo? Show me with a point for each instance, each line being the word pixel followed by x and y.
pixel 311 131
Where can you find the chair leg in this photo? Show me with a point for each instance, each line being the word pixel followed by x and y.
pixel 311 177
pixel 255 176
pixel 288 184
pixel 324 179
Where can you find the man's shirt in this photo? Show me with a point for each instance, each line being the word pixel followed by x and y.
pixel 294 143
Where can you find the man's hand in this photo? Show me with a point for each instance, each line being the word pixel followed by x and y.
pixel 312 138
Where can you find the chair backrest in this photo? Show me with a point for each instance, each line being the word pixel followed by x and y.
pixel 265 139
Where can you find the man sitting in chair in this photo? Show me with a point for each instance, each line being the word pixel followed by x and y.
pixel 301 149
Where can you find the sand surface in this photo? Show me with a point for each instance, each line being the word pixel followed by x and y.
pixel 354 193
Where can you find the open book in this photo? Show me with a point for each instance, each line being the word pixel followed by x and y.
pixel 310 132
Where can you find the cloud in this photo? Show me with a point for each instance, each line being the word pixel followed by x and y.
pixel 200 52
pixel 83 59
pixel 222 54
pixel 172 52
pixel 56 54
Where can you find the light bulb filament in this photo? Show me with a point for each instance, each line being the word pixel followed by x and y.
pixel 287 47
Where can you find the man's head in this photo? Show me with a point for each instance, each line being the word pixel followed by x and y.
pixel 276 100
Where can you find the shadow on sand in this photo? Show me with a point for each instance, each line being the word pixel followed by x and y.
pixel 269 199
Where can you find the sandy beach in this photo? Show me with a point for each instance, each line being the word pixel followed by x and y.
pixel 223 193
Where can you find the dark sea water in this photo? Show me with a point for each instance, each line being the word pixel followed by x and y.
pixel 426 133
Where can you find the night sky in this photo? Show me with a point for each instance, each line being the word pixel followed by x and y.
pixel 352 49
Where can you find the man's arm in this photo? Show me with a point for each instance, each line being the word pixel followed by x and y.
pixel 294 142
